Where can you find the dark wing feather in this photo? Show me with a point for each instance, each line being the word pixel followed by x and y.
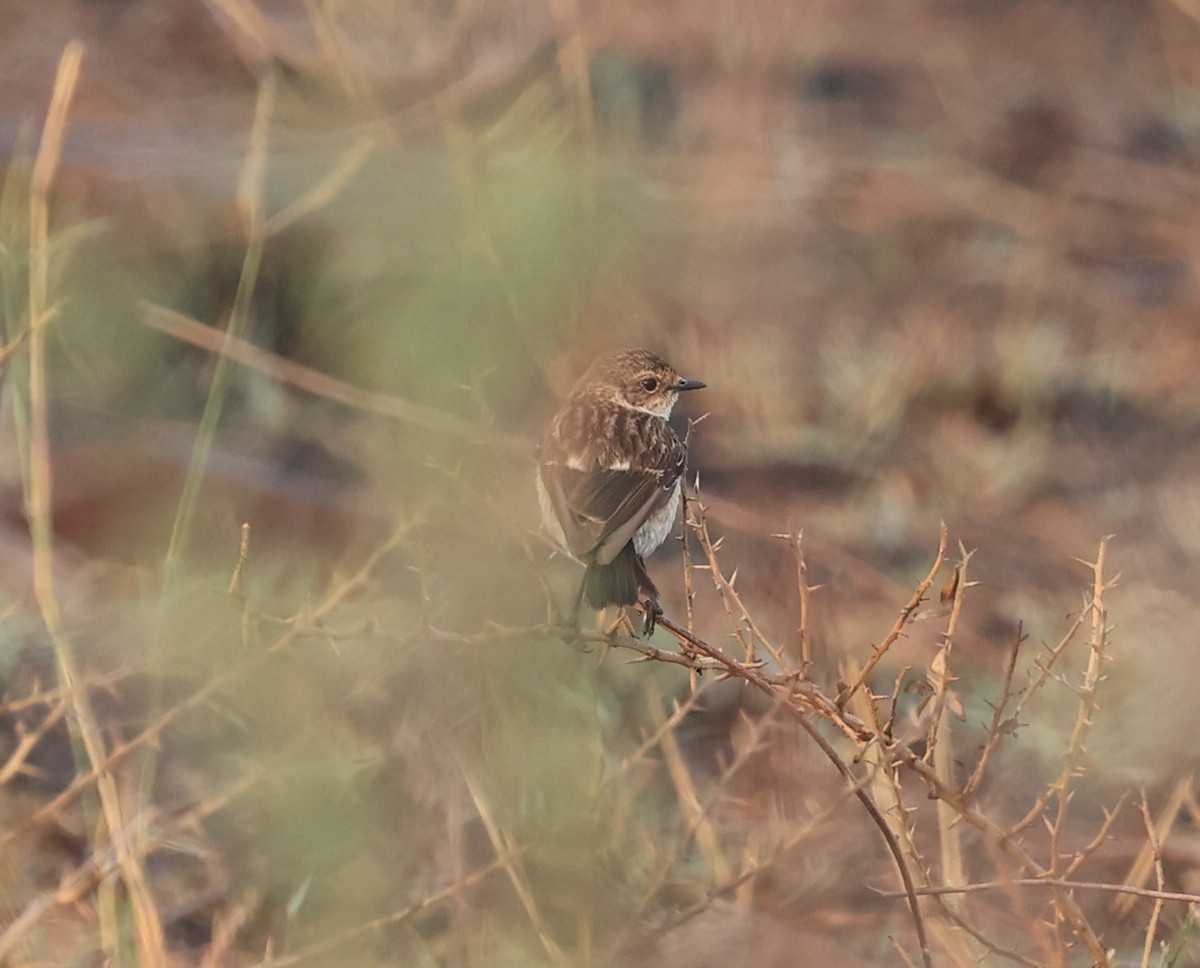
pixel 601 510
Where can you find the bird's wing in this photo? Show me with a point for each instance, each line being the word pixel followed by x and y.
pixel 601 510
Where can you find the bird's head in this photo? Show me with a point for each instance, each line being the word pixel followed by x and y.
pixel 639 379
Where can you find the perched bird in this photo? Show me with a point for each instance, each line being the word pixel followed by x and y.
pixel 609 475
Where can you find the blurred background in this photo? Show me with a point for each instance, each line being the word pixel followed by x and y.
pixel 935 261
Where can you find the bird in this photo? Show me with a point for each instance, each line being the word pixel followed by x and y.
pixel 609 476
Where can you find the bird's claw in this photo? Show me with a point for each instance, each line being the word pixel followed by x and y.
pixel 653 612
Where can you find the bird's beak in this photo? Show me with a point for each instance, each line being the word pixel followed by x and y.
pixel 689 385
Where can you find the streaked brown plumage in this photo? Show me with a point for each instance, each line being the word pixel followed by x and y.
pixel 609 473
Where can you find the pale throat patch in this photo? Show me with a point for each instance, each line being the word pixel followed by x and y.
pixel 663 412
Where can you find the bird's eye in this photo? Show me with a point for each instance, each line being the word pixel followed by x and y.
pixel 650 384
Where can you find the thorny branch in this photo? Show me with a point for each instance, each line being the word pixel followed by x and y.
pixel 756 679
pixel 906 613
pixel 808 704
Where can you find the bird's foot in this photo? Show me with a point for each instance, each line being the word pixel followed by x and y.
pixel 653 612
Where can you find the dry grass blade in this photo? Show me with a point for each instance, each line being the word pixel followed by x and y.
pixel 325 191
pixel 695 815
pixel 1143 864
pixel 340 941
pixel 938 675
pixel 250 30
pixel 940 737
pixel 574 66
pixel 1156 912
pixel 680 712
pixel 188 330
pixel 150 942
pixel 510 861
pixel 251 208
pixel 235 580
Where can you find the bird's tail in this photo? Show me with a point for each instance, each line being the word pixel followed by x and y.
pixel 623 581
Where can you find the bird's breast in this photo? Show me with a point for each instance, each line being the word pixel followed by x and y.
pixel 657 526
